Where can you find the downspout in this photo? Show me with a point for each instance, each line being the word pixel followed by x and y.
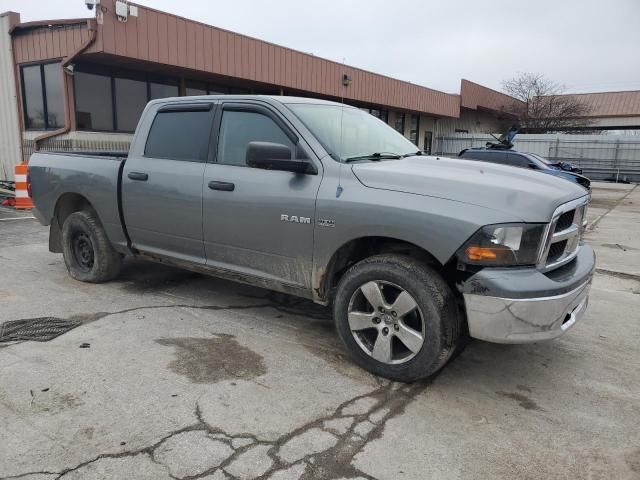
pixel 92 26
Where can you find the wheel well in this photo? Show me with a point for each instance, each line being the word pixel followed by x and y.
pixel 65 206
pixel 361 248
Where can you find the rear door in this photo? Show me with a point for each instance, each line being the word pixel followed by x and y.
pixel 162 181
pixel 258 222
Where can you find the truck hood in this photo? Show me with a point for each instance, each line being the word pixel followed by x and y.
pixel 525 195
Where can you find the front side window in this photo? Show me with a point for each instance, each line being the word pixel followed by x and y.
pixel 349 132
pixel 42 89
pixel 238 128
pixel 180 135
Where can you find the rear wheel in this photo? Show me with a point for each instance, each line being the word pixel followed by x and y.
pixel 87 252
pixel 397 317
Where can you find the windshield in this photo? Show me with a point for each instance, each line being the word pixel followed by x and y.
pixel 349 133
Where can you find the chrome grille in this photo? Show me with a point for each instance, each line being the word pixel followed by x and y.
pixel 563 235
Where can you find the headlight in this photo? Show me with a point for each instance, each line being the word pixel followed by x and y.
pixel 503 245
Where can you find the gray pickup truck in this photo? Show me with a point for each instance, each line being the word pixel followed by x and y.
pixel 324 201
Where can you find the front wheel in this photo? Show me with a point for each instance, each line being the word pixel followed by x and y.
pixel 397 317
pixel 87 252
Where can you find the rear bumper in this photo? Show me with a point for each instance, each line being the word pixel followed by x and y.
pixel 531 306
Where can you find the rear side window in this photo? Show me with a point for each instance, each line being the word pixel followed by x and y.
pixel 238 128
pixel 485 156
pixel 518 160
pixel 180 135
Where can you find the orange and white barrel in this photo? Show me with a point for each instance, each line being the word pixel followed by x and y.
pixel 23 199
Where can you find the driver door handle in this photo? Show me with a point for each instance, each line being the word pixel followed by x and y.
pixel 143 177
pixel 223 186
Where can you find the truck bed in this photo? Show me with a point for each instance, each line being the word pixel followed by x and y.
pixel 94 175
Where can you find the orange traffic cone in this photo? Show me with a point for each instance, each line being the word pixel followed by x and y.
pixel 23 197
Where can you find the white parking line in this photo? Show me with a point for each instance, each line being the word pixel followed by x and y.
pixel 15 218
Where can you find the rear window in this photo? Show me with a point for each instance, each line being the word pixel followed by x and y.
pixel 180 135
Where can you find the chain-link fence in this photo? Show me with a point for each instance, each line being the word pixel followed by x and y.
pixel 601 157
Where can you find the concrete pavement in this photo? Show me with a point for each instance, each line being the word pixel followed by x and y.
pixel 169 374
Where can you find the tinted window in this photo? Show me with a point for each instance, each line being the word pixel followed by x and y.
pixel 131 98
pixel 162 90
pixel 180 136
pixel 218 90
pixel 55 95
pixel 493 157
pixel 413 132
pixel 399 124
pixel 94 110
pixel 195 88
pixel 518 160
pixel 34 101
pixel 240 128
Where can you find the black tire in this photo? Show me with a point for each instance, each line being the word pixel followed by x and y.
pixel 436 304
pixel 87 252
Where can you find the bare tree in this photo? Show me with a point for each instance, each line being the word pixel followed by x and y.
pixel 542 106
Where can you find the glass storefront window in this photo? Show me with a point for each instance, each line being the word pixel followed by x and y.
pixel 94 107
pixel 43 96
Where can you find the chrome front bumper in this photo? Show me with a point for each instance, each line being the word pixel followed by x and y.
pixel 526 305
pixel 510 320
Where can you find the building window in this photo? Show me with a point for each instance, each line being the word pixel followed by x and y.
pixel 414 129
pixel 114 103
pixel 399 123
pixel 461 130
pixel 131 98
pixel 218 90
pixel 94 104
pixel 193 89
pixel 381 114
pixel 163 90
pixel 43 96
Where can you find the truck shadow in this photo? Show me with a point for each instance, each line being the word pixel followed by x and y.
pixel 312 325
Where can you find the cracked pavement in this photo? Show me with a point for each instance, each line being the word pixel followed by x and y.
pixel 169 374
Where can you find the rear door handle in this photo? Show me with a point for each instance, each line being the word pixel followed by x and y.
pixel 143 177
pixel 224 186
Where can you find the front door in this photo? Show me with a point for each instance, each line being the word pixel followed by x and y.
pixel 162 183
pixel 258 222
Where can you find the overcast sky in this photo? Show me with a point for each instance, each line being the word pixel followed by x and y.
pixel 587 45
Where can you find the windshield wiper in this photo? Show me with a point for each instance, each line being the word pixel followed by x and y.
pixel 374 156
pixel 414 154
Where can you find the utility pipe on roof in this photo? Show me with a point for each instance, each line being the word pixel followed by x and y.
pixel 92 27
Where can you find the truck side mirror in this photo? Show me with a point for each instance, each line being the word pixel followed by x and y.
pixel 276 156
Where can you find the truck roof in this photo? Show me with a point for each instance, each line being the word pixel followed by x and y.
pixel 283 99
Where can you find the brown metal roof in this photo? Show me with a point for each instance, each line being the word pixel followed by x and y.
pixel 168 39
pixel 477 97
pixel 611 104
pixel 36 43
pixel 48 24
pixel 172 41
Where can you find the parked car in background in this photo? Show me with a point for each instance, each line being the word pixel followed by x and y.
pixel 324 201
pixel 532 161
